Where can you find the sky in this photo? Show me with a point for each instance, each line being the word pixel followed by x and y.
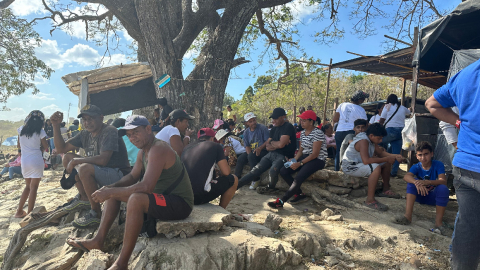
pixel 68 52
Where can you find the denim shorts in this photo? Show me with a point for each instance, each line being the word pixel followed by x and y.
pixel 105 176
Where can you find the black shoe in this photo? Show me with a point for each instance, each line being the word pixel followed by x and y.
pixel 90 220
pixel 276 204
pixel 298 198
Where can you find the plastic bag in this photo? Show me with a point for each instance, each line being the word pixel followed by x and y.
pixel 409 134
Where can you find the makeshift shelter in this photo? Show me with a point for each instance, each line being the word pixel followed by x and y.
pixel 114 89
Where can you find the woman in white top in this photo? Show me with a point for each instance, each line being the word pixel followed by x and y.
pixel 31 139
pixel 393 118
pixel 345 115
pixel 376 118
pixel 177 124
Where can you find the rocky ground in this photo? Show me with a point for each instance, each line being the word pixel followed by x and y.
pixel 359 239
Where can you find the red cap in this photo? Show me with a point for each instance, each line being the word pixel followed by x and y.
pixel 206 132
pixel 308 115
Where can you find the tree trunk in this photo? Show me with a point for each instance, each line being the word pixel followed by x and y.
pixel 201 93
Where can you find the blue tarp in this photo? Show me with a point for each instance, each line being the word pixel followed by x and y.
pixel 11 141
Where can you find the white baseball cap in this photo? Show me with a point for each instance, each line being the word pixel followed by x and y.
pixel 249 116
pixel 220 134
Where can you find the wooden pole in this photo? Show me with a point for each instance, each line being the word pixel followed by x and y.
pixel 398 40
pixel 414 90
pixel 335 104
pixel 328 88
pixel 403 91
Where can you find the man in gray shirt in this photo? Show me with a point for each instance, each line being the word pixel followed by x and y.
pixel 105 160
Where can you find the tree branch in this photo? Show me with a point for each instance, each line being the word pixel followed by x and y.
pixel 239 61
pixel 5 3
pixel 272 3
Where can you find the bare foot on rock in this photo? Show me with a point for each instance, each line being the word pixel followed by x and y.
pixel 20 215
pixel 115 266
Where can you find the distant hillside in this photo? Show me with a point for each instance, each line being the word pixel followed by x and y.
pixel 9 128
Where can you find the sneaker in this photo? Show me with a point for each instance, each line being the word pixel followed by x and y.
pixel 254 185
pixel 90 220
pixel 76 204
pixel 276 204
pixel 266 190
pixel 298 198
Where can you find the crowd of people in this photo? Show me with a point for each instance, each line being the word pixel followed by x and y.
pixel 156 168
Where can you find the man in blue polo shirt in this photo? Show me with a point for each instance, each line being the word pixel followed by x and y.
pixel 463 91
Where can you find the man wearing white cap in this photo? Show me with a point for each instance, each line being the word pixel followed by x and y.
pixel 255 138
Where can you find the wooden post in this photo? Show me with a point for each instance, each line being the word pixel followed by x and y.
pixel 294 114
pixel 328 88
pixel 403 92
pixel 414 89
pixel 83 97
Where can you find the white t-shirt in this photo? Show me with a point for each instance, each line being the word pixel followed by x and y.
pixel 166 133
pixel 237 146
pixel 398 119
pixel 375 119
pixel 349 112
pixel 32 158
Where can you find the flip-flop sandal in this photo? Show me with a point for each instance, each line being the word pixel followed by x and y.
pixel 389 194
pixel 80 245
pixel 376 205
pixel 402 220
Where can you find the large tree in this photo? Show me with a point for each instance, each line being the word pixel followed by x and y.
pixel 222 31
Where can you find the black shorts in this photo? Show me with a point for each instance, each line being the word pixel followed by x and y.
pixel 167 207
pixel 219 186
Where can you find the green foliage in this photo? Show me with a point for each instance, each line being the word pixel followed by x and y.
pixel 262 81
pixel 356 78
pixel 228 100
pixel 18 64
pixel 9 128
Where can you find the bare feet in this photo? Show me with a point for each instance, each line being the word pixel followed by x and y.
pixel 115 266
pixel 81 243
pixel 21 214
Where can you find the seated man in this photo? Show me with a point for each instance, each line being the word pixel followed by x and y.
pixel 281 144
pixel 255 138
pixel 359 125
pixel 105 160
pixel 364 158
pixel 201 159
pixel 164 193
pixel 13 166
pixel 426 185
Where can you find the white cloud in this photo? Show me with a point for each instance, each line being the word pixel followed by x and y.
pixel 79 55
pixel 127 36
pixel 301 10
pixel 14 114
pixel 42 96
pixel 27 7
pixel 50 109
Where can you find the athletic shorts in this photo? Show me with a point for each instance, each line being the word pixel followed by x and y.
pixel 167 207
pixel 219 186
pixel 359 169
pixel 105 176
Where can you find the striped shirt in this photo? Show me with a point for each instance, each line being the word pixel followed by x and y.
pixel 308 140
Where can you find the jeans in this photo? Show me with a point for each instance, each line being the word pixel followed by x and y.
pixel 339 137
pixel 11 171
pixel 252 160
pixel 52 144
pixel 273 161
pixel 303 173
pixel 466 243
pixel 393 144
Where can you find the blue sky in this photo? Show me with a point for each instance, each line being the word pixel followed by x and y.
pixel 70 52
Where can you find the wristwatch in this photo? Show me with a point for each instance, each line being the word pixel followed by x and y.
pixel 301 163
pixel 457 124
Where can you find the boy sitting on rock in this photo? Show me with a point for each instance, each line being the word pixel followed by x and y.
pixel 426 185
pixel 359 125
pixel 364 158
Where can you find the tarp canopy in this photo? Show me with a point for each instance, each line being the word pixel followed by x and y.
pixel 394 64
pixel 461 59
pixel 10 141
pixel 116 89
pixel 458 30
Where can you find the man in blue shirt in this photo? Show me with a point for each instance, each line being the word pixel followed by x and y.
pixel 426 185
pixel 463 91
pixel 255 138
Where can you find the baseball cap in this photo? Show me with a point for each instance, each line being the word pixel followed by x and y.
pixel 205 132
pixel 220 134
pixel 132 122
pixel 249 116
pixel 308 115
pixel 217 124
pixel 178 114
pixel 90 110
pixel 277 112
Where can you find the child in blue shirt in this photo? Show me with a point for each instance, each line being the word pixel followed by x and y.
pixel 426 185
